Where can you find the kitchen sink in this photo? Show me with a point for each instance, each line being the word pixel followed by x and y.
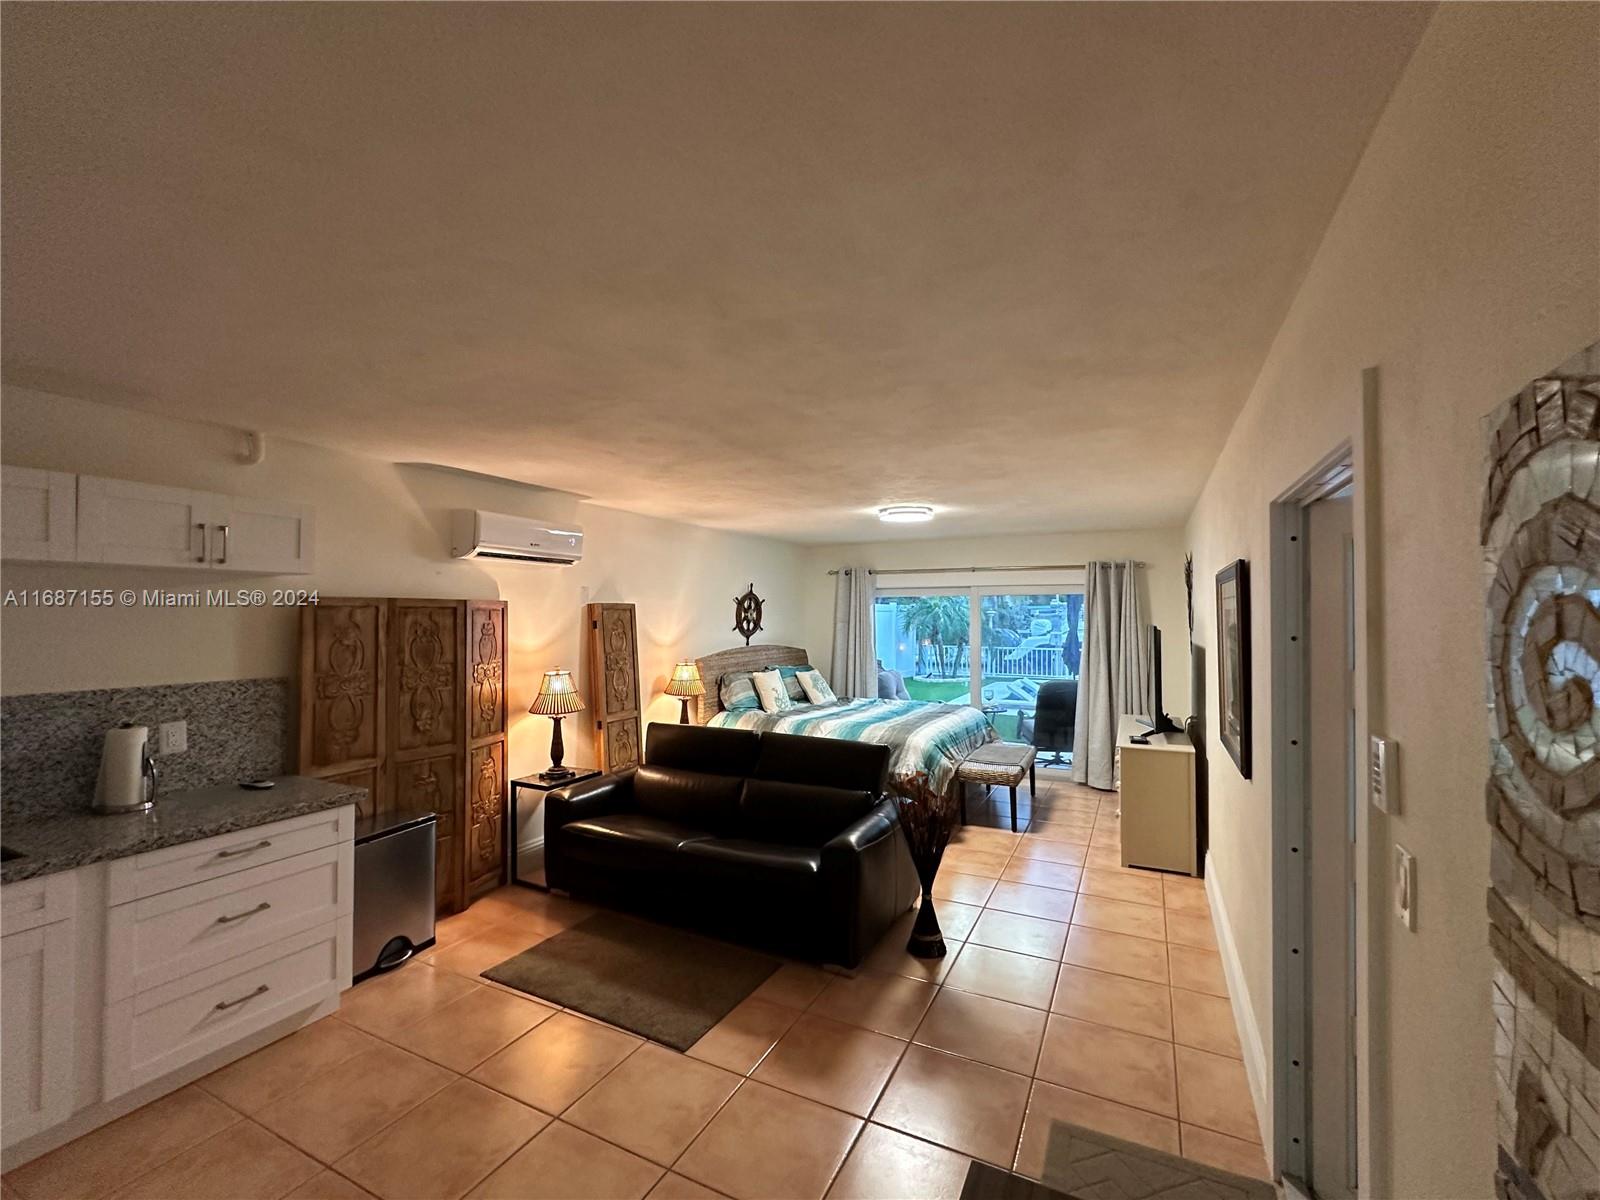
pixel 7 854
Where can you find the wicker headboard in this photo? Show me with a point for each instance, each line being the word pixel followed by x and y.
pixel 731 662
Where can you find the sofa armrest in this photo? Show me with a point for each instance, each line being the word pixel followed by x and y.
pixel 590 798
pixel 862 835
pixel 869 880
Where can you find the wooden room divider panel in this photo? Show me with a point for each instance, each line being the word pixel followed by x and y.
pixel 614 685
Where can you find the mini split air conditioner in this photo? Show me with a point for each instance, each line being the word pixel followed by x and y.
pixel 478 534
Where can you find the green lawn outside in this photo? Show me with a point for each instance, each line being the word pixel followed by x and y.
pixel 957 691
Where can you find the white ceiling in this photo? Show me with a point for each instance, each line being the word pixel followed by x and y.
pixel 762 266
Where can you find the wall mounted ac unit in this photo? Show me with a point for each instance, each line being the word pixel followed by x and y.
pixel 478 534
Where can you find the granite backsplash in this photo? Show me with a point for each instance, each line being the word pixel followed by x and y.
pixel 50 742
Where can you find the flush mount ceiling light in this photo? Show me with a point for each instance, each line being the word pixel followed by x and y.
pixel 905 514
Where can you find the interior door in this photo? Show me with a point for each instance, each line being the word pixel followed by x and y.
pixel 143 524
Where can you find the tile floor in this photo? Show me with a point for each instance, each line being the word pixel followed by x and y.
pixel 1073 990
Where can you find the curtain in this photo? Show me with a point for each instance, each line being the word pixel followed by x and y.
pixel 854 672
pixel 1114 671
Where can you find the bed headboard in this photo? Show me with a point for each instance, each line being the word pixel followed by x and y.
pixel 730 662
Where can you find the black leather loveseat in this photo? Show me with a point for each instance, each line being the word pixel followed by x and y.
pixel 787 841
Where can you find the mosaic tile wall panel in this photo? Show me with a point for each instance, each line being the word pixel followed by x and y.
pixel 1541 538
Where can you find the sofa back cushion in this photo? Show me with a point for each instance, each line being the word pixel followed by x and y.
pixel 799 814
pixel 706 748
pixel 822 762
pixel 697 799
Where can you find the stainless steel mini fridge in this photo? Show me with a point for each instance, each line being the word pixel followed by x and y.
pixel 394 898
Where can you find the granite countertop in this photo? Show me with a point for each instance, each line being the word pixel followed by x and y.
pixel 60 843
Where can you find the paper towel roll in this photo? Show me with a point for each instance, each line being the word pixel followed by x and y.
pixel 121 782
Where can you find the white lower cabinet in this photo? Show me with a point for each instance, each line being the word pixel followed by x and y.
pixel 38 951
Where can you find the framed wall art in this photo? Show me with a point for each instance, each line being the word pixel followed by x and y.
pixel 1233 662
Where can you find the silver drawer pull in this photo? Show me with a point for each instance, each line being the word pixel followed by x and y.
pixel 262 907
pixel 243 850
pixel 224 1005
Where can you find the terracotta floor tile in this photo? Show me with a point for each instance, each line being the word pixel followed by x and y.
pixel 473 955
pixel 1128 1068
pixel 543 912
pixel 1224 1152
pixel 255 1164
pixel 974 862
pixel 1204 1022
pixel 967 889
pixel 457 927
pixel 345 1105
pixel 1187 899
pixel 258 1079
pixel 329 1185
pixel 955 919
pixel 1117 954
pixel 991 1031
pixel 1213 1092
pixel 556 1062
pixel 1042 873
pixel 994 841
pixel 1053 828
pixel 767 1143
pixel 887 1163
pixel 1050 1104
pixel 1040 849
pixel 838 1065
pixel 1004 975
pixel 1129 886
pixel 1118 916
pixel 793 985
pixel 1019 933
pixel 1031 901
pixel 1115 1000
pixel 742 1038
pixel 1185 929
pixel 564 1163
pixel 99 1162
pixel 466 1031
pixel 655 1103
pixel 386 1004
pixel 889 1004
pixel 960 1104
pixel 442 1147
pixel 1107 858
pixel 1197 970
pixel 890 956
pixel 678 1187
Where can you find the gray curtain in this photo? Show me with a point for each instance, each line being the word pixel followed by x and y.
pixel 854 669
pixel 1114 673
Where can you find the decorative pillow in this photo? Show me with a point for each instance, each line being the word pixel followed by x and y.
pixel 816 687
pixel 769 687
pixel 738 692
pixel 791 682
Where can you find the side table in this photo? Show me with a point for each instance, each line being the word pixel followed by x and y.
pixel 541 786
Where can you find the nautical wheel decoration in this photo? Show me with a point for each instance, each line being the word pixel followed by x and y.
pixel 1540 532
pixel 747 614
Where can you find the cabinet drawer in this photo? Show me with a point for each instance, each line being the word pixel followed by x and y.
pixel 196 862
pixel 156 1032
pixel 153 941
pixel 30 903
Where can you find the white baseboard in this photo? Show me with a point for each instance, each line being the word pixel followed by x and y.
pixel 1244 1014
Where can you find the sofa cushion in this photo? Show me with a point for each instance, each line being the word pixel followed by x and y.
pixel 730 859
pixel 707 748
pixel 632 837
pixel 695 798
pixel 828 762
pixel 798 814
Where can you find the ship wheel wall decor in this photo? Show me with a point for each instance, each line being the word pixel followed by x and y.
pixel 747 614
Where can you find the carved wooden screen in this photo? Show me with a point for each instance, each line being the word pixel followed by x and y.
pixel 406 698
pixel 614 685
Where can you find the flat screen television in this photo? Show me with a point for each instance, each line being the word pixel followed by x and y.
pixel 1158 722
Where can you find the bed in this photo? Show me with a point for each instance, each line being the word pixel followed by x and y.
pixel 924 736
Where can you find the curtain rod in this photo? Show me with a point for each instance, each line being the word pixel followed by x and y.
pixel 961 570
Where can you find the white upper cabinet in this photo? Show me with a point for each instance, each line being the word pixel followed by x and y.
pixel 38 514
pixel 50 516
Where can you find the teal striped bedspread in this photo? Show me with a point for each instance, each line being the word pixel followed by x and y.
pixel 923 735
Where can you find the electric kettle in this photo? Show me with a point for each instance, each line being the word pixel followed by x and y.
pixel 128 775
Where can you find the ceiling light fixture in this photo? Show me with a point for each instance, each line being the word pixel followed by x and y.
pixel 905 514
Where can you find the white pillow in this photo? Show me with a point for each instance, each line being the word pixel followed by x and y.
pixel 770 690
pixel 816 687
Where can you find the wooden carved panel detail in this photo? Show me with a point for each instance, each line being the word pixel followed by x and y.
pixel 621 670
pixel 427 783
pixel 486 805
pixel 428 647
pixel 368 779
pixel 622 743
pixel 613 681
pixel 344 685
pixel 487 686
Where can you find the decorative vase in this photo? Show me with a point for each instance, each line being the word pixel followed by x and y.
pixel 927 818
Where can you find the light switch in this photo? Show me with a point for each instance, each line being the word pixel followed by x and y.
pixel 173 737
pixel 1405 887
pixel 1383 774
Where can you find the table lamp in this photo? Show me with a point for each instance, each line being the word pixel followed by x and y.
pixel 557 697
pixel 685 683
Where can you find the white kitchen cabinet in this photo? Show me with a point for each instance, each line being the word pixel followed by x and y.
pixel 38 515
pixel 261 536
pixel 38 952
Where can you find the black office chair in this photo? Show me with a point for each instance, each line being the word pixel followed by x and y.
pixel 1055 718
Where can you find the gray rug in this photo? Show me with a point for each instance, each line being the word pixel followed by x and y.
pixel 1081 1164
pixel 665 984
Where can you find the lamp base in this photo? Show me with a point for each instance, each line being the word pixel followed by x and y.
pixel 683 716
pixel 555 773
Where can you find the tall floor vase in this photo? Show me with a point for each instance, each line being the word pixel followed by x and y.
pixel 927 818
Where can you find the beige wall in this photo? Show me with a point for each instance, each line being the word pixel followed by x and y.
pixel 382 529
pixel 1463 260
pixel 1162 581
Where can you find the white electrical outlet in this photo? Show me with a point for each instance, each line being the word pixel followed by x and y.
pixel 1383 775
pixel 173 737
pixel 1405 887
